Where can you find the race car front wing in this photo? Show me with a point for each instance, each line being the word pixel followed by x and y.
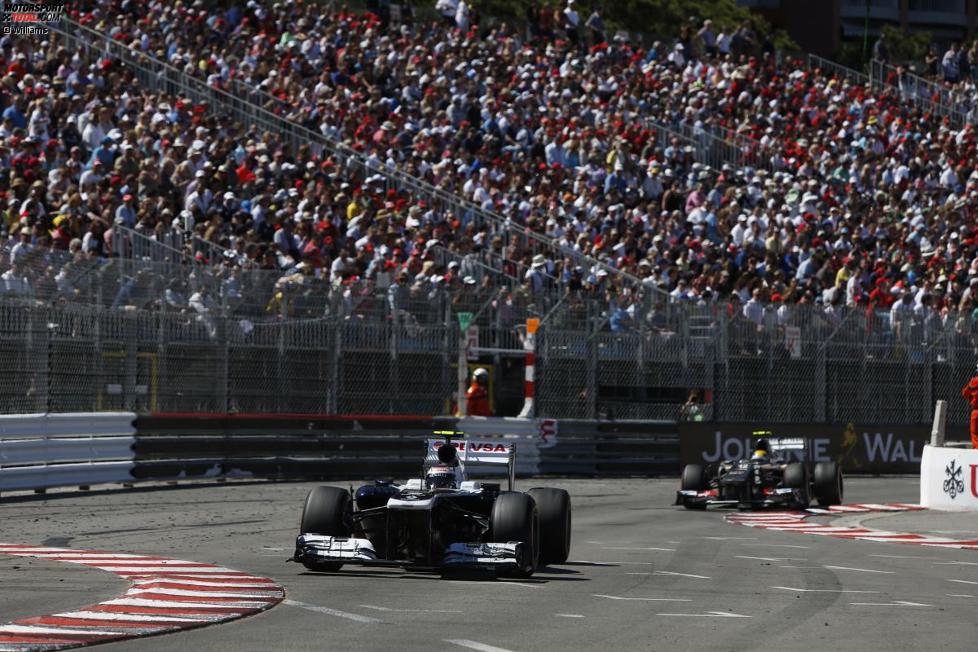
pixel 773 497
pixel 317 548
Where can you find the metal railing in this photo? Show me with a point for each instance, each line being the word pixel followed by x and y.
pixel 837 70
pixel 938 98
pixel 161 77
pixel 712 146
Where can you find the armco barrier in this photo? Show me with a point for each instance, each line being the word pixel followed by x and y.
pixel 949 478
pixel 39 451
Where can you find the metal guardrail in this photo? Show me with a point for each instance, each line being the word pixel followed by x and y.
pixel 161 77
pixel 40 451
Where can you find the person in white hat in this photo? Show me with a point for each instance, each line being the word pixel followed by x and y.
pixel 534 277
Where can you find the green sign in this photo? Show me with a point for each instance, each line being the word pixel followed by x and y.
pixel 464 319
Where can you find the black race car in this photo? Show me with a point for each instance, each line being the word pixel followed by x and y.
pixel 779 474
pixel 439 521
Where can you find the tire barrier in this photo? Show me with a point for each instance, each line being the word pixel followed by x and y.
pixel 41 451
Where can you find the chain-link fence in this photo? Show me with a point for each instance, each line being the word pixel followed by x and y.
pixel 82 358
pixel 798 364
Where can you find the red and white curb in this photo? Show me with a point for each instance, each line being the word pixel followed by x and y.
pixel 795 522
pixel 166 595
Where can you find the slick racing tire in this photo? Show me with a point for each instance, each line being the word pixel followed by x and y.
pixel 828 483
pixel 554 511
pixel 326 511
pixel 514 518
pixel 796 477
pixel 694 477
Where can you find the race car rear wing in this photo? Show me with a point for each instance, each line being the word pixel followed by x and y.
pixel 788 444
pixel 484 451
pixel 783 444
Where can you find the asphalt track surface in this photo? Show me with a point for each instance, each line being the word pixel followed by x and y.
pixel 644 575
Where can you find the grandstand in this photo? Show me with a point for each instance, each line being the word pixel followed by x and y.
pixel 308 198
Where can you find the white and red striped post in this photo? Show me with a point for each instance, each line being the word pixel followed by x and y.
pixel 529 382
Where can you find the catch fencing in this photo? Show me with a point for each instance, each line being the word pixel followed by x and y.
pixel 804 365
pixel 593 361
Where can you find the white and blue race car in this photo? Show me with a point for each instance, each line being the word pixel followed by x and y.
pixel 439 521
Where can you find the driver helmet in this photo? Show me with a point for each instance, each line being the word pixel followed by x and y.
pixel 762 450
pixel 441 477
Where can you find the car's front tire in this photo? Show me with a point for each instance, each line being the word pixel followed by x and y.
pixel 694 478
pixel 828 484
pixel 514 518
pixel 327 511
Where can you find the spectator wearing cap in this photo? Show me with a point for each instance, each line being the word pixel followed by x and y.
pixel 535 276
pixel 125 214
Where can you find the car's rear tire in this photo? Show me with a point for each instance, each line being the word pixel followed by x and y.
pixel 554 513
pixel 828 483
pixel 327 511
pixel 796 477
pixel 694 478
pixel 514 518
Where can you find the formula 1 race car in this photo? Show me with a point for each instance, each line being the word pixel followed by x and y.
pixel 779 473
pixel 442 520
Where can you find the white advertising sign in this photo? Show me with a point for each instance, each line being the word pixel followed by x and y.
pixel 949 478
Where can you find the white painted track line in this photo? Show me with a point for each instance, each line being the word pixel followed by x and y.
pixel 332 612
pixel 639 599
pixel 860 570
pixel 475 645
